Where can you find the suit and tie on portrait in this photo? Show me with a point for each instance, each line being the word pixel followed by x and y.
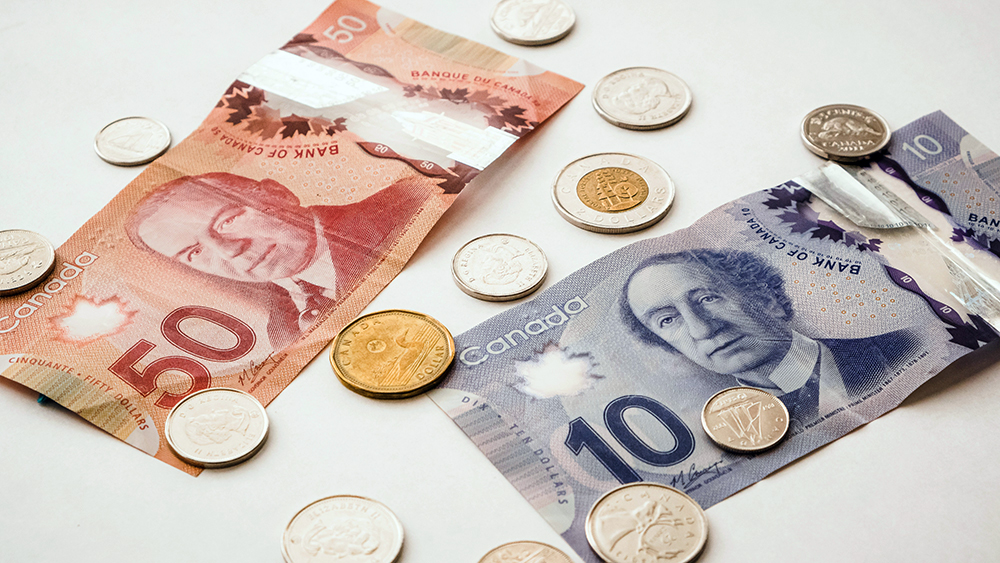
pixel 727 311
pixel 304 259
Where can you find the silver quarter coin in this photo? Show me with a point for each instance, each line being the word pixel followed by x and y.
pixel 343 529
pixel 216 427
pixel 525 552
pixel 745 419
pixel 532 22
pixel 646 522
pixel 131 141
pixel 499 267
pixel 845 133
pixel 613 193
pixel 26 259
pixel 642 98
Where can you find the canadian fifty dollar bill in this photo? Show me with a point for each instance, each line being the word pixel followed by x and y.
pixel 236 257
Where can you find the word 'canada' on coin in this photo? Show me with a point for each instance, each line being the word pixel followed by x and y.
pixel 845 133
pixel 532 22
pixel 216 427
pixel 343 528
pixel 131 141
pixel 392 354
pixel 642 98
pixel 499 267
pixel 646 522
pixel 613 193
pixel 526 552
pixel 26 259
pixel 745 419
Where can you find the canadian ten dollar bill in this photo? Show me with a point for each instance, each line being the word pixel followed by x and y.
pixel 236 257
pixel 601 379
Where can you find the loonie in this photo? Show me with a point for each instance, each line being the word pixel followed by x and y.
pixel 745 419
pixel 499 267
pixel 392 354
pixel 132 140
pixel 26 259
pixel 532 22
pixel 642 98
pixel 845 133
pixel 217 427
pixel 613 193
pixel 343 528
pixel 646 521
pixel 525 551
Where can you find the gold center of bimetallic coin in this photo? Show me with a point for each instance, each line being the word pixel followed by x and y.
pixel 612 189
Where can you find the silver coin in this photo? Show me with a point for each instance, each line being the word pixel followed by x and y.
pixel 499 267
pixel 132 140
pixel 532 22
pixel 613 193
pixel 216 427
pixel 745 419
pixel 343 529
pixel 646 522
pixel 525 552
pixel 642 98
pixel 26 259
pixel 845 133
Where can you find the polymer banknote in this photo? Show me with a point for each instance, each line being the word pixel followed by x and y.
pixel 232 260
pixel 601 379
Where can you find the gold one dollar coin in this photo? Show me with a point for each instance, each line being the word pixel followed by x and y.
pixel 392 354
pixel 745 419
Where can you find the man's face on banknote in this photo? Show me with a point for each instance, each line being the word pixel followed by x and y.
pixel 707 319
pixel 212 234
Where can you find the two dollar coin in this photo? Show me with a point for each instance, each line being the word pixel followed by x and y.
pixel 613 193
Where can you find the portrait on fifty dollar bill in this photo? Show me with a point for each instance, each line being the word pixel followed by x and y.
pixel 256 235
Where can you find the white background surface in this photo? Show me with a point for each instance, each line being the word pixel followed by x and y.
pixel 919 484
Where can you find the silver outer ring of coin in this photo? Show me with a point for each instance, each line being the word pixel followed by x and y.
pixel 526 543
pixel 511 37
pixel 117 155
pixel 700 513
pixel 675 113
pixel 397 527
pixel 841 156
pixel 40 260
pixel 749 449
pixel 213 463
pixel 569 206
pixel 478 291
